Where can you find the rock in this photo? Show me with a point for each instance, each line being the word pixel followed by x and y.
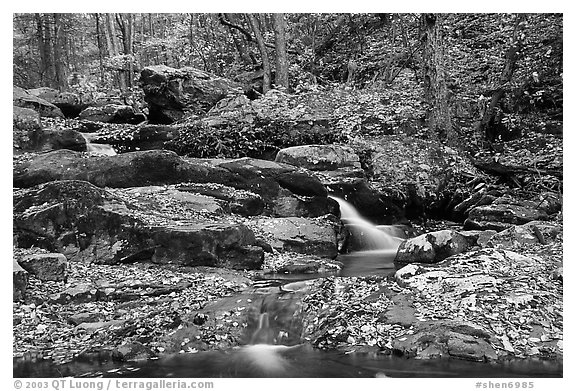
pixel 301 235
pixel 478 237
pixel 125 170
pixel 47 267
pixel 96 326
pixel 417 173
pixel 69 103
pixel 377 207
pixel 66 139
pixel 19 281
pixel 224 245
pixel 454 339
pixel 80 293
pixel 431 247
pixel 242 202
pixel 269 180
pixel 88 223
pixel 504 213
pixel 26 119
pixel 519 236
pixel 171 92
pixel 120 114
pixel 22 98
pixel 319 157
pixel 132 351
pixel 86 317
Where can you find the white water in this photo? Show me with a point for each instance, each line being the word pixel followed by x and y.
pixel 381 238
pixel 98 149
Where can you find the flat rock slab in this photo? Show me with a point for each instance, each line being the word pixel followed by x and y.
pixel 500 216
pixel 85 222
pixel 300 235
pixel 319 157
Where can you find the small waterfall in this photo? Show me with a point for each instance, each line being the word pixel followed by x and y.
pixel 97 149
pixel 369 237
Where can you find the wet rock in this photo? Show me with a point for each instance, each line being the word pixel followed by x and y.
pixel 431 247
pixel 120 114
pixel 22 98
pixel 19 281
pixel 171 92
pixel 132 138
pixel 454 339
pixel 92 327
pixel 132 351
pixel 372 204
pixel 319 157
pixel 47 267
pixel 301 235
pixel 504 213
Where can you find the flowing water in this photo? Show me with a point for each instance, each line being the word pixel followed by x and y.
pixel 275 348
pixel 97 149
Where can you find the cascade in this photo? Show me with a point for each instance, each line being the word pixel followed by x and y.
pixel 372 238
pixel 97 149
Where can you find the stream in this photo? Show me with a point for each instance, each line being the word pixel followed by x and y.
pixel 269 354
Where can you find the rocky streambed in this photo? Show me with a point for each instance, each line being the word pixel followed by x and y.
pixel 147 254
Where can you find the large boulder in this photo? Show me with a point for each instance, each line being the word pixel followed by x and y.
pixel 170 93
pixel 22 98
pixel 84 222
pixel 338 168
pixel 419 174
pixel 297 234
pixel 272 181
pixel 319 157
pixel 432 247
pixel 68 102
pixel 112 113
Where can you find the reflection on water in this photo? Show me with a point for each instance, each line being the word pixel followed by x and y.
pixel 284 361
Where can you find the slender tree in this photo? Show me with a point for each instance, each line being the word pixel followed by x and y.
pixel 263 52
pixel 279 23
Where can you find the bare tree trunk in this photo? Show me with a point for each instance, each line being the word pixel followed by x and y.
pixel 100 47
pixel 113 46
pixel 435 89
pixel 263 53
pixel 59 47
pixel 279 23
pixel 44 37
